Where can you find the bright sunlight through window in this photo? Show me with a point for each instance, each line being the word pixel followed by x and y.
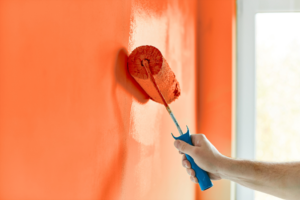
pixel 278 89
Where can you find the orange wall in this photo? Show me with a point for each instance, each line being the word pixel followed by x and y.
pixel 72 123
pixel 215 61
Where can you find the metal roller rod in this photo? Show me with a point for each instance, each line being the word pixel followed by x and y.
pixel 146 65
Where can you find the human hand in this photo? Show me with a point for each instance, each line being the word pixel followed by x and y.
pixel 205 155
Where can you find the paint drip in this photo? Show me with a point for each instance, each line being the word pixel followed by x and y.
pixel 162 73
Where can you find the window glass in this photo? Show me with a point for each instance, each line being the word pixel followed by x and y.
pixel 278 89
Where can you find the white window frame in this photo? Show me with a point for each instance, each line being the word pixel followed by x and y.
pixel 246 74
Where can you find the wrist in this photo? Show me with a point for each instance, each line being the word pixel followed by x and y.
pixel 235 170
pixel 225 167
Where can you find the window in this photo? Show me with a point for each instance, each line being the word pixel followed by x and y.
pixel 277 47
pixel 268 76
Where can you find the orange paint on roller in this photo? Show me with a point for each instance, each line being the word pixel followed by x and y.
pixel 144 63
pixel 164 76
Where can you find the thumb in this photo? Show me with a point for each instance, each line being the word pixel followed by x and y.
pixel 184 147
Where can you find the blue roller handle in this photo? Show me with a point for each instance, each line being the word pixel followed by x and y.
pixel 202 176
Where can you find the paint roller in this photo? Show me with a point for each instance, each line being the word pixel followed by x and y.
pixel 152 72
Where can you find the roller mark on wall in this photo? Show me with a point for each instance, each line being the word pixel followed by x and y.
pixel 169 31
pixel 147 28
pixel 170 28
pixel 145 121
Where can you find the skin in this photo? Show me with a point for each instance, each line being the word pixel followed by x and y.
pixel 278 179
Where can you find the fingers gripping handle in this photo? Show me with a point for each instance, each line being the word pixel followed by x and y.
pixel 202 176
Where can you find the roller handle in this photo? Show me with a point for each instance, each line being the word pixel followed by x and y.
pixel 202 176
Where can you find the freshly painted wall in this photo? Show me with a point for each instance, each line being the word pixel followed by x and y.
pixel 74 125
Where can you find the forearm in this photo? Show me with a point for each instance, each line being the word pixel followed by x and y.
pixel 278 179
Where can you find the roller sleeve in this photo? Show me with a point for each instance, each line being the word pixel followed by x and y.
pixel 164 76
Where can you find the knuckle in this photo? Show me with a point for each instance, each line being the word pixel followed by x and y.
pixel 198 139
pixel 187 170
pixel 196 180
pixel 191 172
pixel 192 179
pixel 184 163
pixel 188 164
pixel 202 136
